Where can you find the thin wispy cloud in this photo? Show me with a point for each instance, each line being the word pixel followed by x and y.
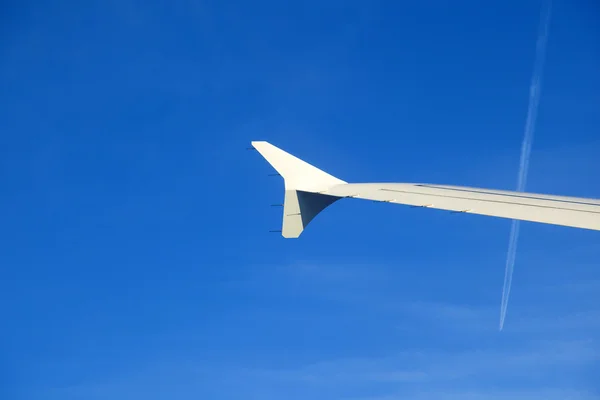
pixel 513 365
pixel 415 373
pixel 453 394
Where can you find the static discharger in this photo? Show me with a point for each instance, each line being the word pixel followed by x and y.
pixel 423 206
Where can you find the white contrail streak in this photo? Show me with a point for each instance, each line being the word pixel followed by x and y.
pixel 534 99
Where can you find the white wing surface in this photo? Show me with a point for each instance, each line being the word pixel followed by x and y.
pixel 308 191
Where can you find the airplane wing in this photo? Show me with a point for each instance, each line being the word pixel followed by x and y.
pixel 309 190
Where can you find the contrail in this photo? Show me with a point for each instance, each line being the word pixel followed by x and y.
pixel 534 99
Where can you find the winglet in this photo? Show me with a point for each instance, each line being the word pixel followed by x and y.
pixel 298 174
pixel 303 182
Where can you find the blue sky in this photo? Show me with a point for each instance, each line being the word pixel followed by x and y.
pixel 136 260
